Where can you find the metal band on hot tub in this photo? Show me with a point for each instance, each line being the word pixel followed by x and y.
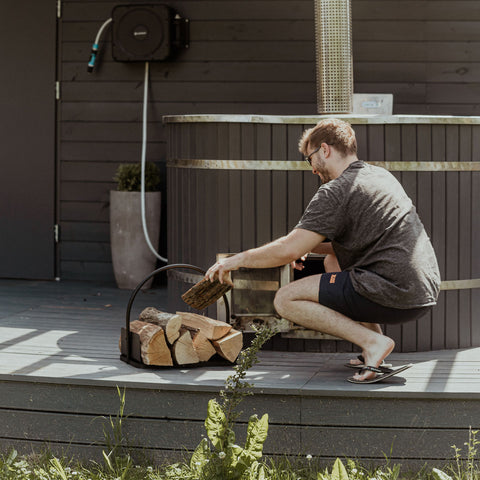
pixel 292 165
pixel 354 119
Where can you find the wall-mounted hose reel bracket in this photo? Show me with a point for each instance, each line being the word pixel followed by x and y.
pixel 143 33
pixel 147 33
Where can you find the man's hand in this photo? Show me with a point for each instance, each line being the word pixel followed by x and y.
pixel 298 264
pixel 222 269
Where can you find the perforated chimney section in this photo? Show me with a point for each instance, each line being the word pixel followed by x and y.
pixel 333 44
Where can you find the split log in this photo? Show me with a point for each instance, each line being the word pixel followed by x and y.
pixel 183 350
pixel 205 350
pixel 170 322
pixel 204 293
pixel 212 329
pixel 153 347
pixel 230 345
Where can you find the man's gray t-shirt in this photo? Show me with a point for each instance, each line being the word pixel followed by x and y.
pixel 377 236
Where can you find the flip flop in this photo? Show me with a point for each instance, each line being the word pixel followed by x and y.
pixel 362 365
pixel 383 373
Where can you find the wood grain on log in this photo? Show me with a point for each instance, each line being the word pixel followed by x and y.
pixel 183 351
pixel 170 322
pixel 153 347
pixel 212 329
pixel 205 350
pixel 204 293
pixel 230 345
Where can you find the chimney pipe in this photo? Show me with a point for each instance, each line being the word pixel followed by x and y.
pixel 334 66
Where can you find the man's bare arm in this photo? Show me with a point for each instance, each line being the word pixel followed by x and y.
pixel 324 248
pixel 279 252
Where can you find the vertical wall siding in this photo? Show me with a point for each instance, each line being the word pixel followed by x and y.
pixel 233 210
pixel 245 56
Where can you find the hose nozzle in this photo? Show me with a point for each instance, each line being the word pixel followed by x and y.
pixel 93 58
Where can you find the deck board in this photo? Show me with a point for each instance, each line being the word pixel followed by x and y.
pixel 63 331
pixel 60 365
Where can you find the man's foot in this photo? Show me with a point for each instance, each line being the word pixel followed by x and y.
pixel 359 362
pixel 374 355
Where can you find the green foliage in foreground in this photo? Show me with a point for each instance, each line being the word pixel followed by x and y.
pixel 219 456
pixel 49 467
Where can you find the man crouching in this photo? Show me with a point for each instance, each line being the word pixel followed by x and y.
pixel 380 264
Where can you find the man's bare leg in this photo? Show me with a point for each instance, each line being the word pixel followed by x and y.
pixel 331 266
pixel 375 327
pixel 298 302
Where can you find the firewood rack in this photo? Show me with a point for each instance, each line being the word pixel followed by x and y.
pixel 130 341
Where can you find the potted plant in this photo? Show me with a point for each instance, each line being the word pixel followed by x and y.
pixel 132 258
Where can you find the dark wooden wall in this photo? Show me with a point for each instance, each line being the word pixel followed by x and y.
pixel 424 52
pixel 27 138
pixel 245 56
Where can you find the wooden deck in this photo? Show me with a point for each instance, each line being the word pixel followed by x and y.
pixel 59 369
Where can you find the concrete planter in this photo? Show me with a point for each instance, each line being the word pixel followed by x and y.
pixel 131 257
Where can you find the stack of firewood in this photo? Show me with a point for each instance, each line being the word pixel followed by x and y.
pixel 183 338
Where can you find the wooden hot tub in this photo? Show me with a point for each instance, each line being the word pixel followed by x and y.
pixel 238 181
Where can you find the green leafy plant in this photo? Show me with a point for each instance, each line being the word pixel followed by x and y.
pixel 339 472
pixel 117 459
pixel 467 469
pixel 7 464
pixel 236 388
pixel 227 460
pixel 440 475
pixel 59 469
pixel 128 177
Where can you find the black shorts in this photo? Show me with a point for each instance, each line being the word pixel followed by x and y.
pixel 337 292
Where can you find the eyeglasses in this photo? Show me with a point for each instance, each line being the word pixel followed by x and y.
pixel 308 158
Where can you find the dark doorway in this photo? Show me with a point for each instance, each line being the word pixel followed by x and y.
pixel 27 138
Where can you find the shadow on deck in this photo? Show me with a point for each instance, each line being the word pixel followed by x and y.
pixel 60 368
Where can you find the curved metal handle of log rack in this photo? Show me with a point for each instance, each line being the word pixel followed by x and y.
pixel 128 335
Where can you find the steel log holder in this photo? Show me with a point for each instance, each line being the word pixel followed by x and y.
pixel 130 341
